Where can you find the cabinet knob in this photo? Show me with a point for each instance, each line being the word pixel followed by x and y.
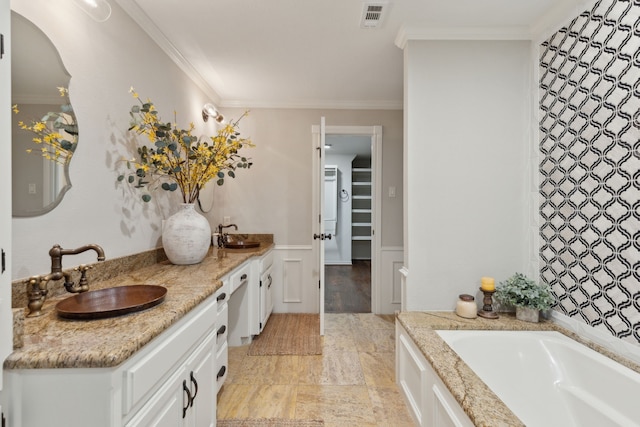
pixel 221 372
pixel 221 297
pixel 243 277
pixel 221 330
pixel 189 398
pixel 195 383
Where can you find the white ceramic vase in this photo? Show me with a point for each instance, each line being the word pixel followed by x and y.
pixel 528 314
pixel 186 236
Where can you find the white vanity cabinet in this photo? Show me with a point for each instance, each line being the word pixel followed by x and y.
pixel 239 314
pixel 185 399
pixel 430 402
pixel 261 298
pixel 169 382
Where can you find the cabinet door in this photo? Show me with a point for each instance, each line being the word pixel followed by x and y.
pixel 166 407
pixel 188 397
pixel 203 385
pixel 269 296
pixel 263 302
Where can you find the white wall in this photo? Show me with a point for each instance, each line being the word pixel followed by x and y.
pixel 104 60
pixel 274 196
pixel 465 147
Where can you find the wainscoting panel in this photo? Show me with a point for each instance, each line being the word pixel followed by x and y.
pixel 296 280
pixel 292 280
pixel 389 283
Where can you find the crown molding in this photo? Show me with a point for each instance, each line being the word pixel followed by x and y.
pixel 136 13
pixel 559 15
pixel 314 104
pixel 461 33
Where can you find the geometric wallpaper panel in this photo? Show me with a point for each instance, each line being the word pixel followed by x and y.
pixel 590 167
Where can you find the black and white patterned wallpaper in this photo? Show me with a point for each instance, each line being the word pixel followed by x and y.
pixel 590 167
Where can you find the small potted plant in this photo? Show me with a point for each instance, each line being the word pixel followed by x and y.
pixel 528 297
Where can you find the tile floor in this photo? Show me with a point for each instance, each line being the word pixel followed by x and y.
pixel 351 384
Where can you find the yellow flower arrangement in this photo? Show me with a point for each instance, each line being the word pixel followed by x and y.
pixel 56 132
pixel 178 159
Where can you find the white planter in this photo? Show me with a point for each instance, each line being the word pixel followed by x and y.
pixel 528 314
pixel 186 236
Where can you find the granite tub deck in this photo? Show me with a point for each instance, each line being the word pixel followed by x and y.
pixel 50 342
pixel 482 406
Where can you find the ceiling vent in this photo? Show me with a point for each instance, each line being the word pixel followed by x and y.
pixel 373 14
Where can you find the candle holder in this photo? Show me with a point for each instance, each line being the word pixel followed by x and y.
pixel 487 310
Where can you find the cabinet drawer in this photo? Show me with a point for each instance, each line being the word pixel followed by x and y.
pixel 142 376
pixel 222 365
pixel 240 276
pixel 222 326
pixel 222 295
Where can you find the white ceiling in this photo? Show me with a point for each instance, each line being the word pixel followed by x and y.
pixel 313 53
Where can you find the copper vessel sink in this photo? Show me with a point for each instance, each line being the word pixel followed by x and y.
pixel 242 244
pixel 111 302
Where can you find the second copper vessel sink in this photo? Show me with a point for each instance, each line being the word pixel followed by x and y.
pixel 111 302
pixel 242 244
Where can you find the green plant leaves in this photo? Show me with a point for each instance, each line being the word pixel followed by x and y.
pixel 518 290
pixel 169 186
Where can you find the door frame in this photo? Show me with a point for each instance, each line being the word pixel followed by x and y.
pixel 375 133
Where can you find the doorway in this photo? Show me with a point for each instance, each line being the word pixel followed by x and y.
pixel 347 217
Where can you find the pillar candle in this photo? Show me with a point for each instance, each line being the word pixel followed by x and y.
pixel 487 284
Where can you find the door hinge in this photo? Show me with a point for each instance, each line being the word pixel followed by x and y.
pixel 4 421
pixel 1 55
pixel 260 325
pixel 3 262
pixel 318 284
pixel 261 283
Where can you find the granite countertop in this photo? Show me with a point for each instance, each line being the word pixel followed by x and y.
pixel 52 342
pixel 477 400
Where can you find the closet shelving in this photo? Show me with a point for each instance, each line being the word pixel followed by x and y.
pixel 361 208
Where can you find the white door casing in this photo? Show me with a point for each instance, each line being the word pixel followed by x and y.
pixel 318 142
pixel 6 323
pixel 375 132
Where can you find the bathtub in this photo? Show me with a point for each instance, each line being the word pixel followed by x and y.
pixel 548 379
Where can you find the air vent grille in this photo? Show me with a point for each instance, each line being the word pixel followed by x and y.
pixel 372 15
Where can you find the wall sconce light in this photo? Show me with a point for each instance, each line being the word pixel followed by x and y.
pixel 210 111
pixel 98 10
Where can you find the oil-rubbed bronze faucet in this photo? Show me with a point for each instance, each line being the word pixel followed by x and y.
pixel 37 285
pixel 223 238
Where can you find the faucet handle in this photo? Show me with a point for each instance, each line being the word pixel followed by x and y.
pixel 82 268
pixel 83 284
pixel 36 292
